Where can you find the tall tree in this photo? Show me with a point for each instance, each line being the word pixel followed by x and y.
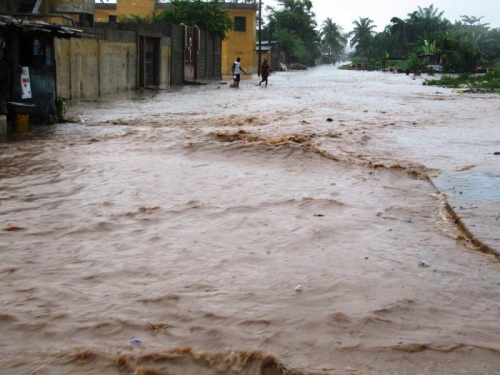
pixel 428 22
pixel 333 39
pixel 294 19
pixel 473 21
pixel 401 32
pixel 463 46
pixel 382 44
pixel 362 35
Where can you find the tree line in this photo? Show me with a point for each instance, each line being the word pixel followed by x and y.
pixel 424 36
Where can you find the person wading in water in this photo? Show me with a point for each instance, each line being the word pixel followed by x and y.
pixel 264 72
pixel 237 69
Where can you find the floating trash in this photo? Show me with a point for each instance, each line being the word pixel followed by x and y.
pixel 136 341
pixel 423 263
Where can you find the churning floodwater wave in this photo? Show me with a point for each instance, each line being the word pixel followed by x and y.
pixel 221 231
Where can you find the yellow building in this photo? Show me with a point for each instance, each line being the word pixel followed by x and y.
pixel 105 12
pixel 240 42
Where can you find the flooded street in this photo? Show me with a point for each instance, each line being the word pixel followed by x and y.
pixel 211 230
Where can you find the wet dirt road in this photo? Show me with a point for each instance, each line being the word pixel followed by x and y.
pixel 169 233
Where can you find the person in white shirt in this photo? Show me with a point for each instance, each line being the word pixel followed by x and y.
pixel 237 69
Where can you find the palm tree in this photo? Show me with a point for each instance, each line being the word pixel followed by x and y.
pixel 429 13
pixel 362 35
pixel 428 22
pixel 382 43
pixel 401 33
pixel 333 39
pixel 473 21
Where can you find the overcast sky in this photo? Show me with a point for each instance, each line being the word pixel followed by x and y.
pixel 343 12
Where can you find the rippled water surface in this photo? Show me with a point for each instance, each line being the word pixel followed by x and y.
pixel 211 230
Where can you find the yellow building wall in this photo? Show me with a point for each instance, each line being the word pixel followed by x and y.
pixel 141 8
pixel 126 8
pixel 102 14
pixel 240 43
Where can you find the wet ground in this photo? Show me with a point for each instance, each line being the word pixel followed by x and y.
pixel 210 230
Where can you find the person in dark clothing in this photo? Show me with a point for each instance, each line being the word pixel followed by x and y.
pixel 264 72
pixel 4 83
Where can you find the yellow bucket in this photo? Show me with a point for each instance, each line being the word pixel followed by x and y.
pixel 21 123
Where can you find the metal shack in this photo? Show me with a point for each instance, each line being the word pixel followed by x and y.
pixel 28 48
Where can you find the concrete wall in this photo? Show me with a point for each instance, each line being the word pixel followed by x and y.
pixel 84 68
pixel 117 67
pixel 209 53
pixel 165 57
pixel 110 63
pixel 177 76
pixel 117 62
pixel 62 54
pixel 87 68
pixel 71 6
pixel 201 68
pixel 217 57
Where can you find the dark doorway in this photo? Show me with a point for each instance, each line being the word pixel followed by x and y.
pixel 150 62
pixel 190 52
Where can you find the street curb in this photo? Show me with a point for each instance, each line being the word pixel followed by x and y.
pixel 469 236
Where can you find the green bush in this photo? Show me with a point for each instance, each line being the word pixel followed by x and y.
pixel 61 109
pixel 489 81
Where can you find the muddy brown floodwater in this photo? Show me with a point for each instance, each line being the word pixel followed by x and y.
pixel 168 233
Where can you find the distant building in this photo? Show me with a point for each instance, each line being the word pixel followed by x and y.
pixel 240 42
pixel 271 52
pixel 65 12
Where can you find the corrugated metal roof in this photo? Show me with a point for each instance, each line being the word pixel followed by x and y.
pixel 40 26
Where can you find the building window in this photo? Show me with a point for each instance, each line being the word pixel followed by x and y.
pixel 112 19
pixel 240 23
pixel 86 20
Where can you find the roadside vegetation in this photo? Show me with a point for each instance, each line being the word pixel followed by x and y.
pixel 485 82
pixel 293 25
pixel 425 40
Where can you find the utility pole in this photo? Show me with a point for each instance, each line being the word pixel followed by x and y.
pixel 260 37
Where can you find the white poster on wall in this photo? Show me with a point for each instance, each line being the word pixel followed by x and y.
pixel 25 83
